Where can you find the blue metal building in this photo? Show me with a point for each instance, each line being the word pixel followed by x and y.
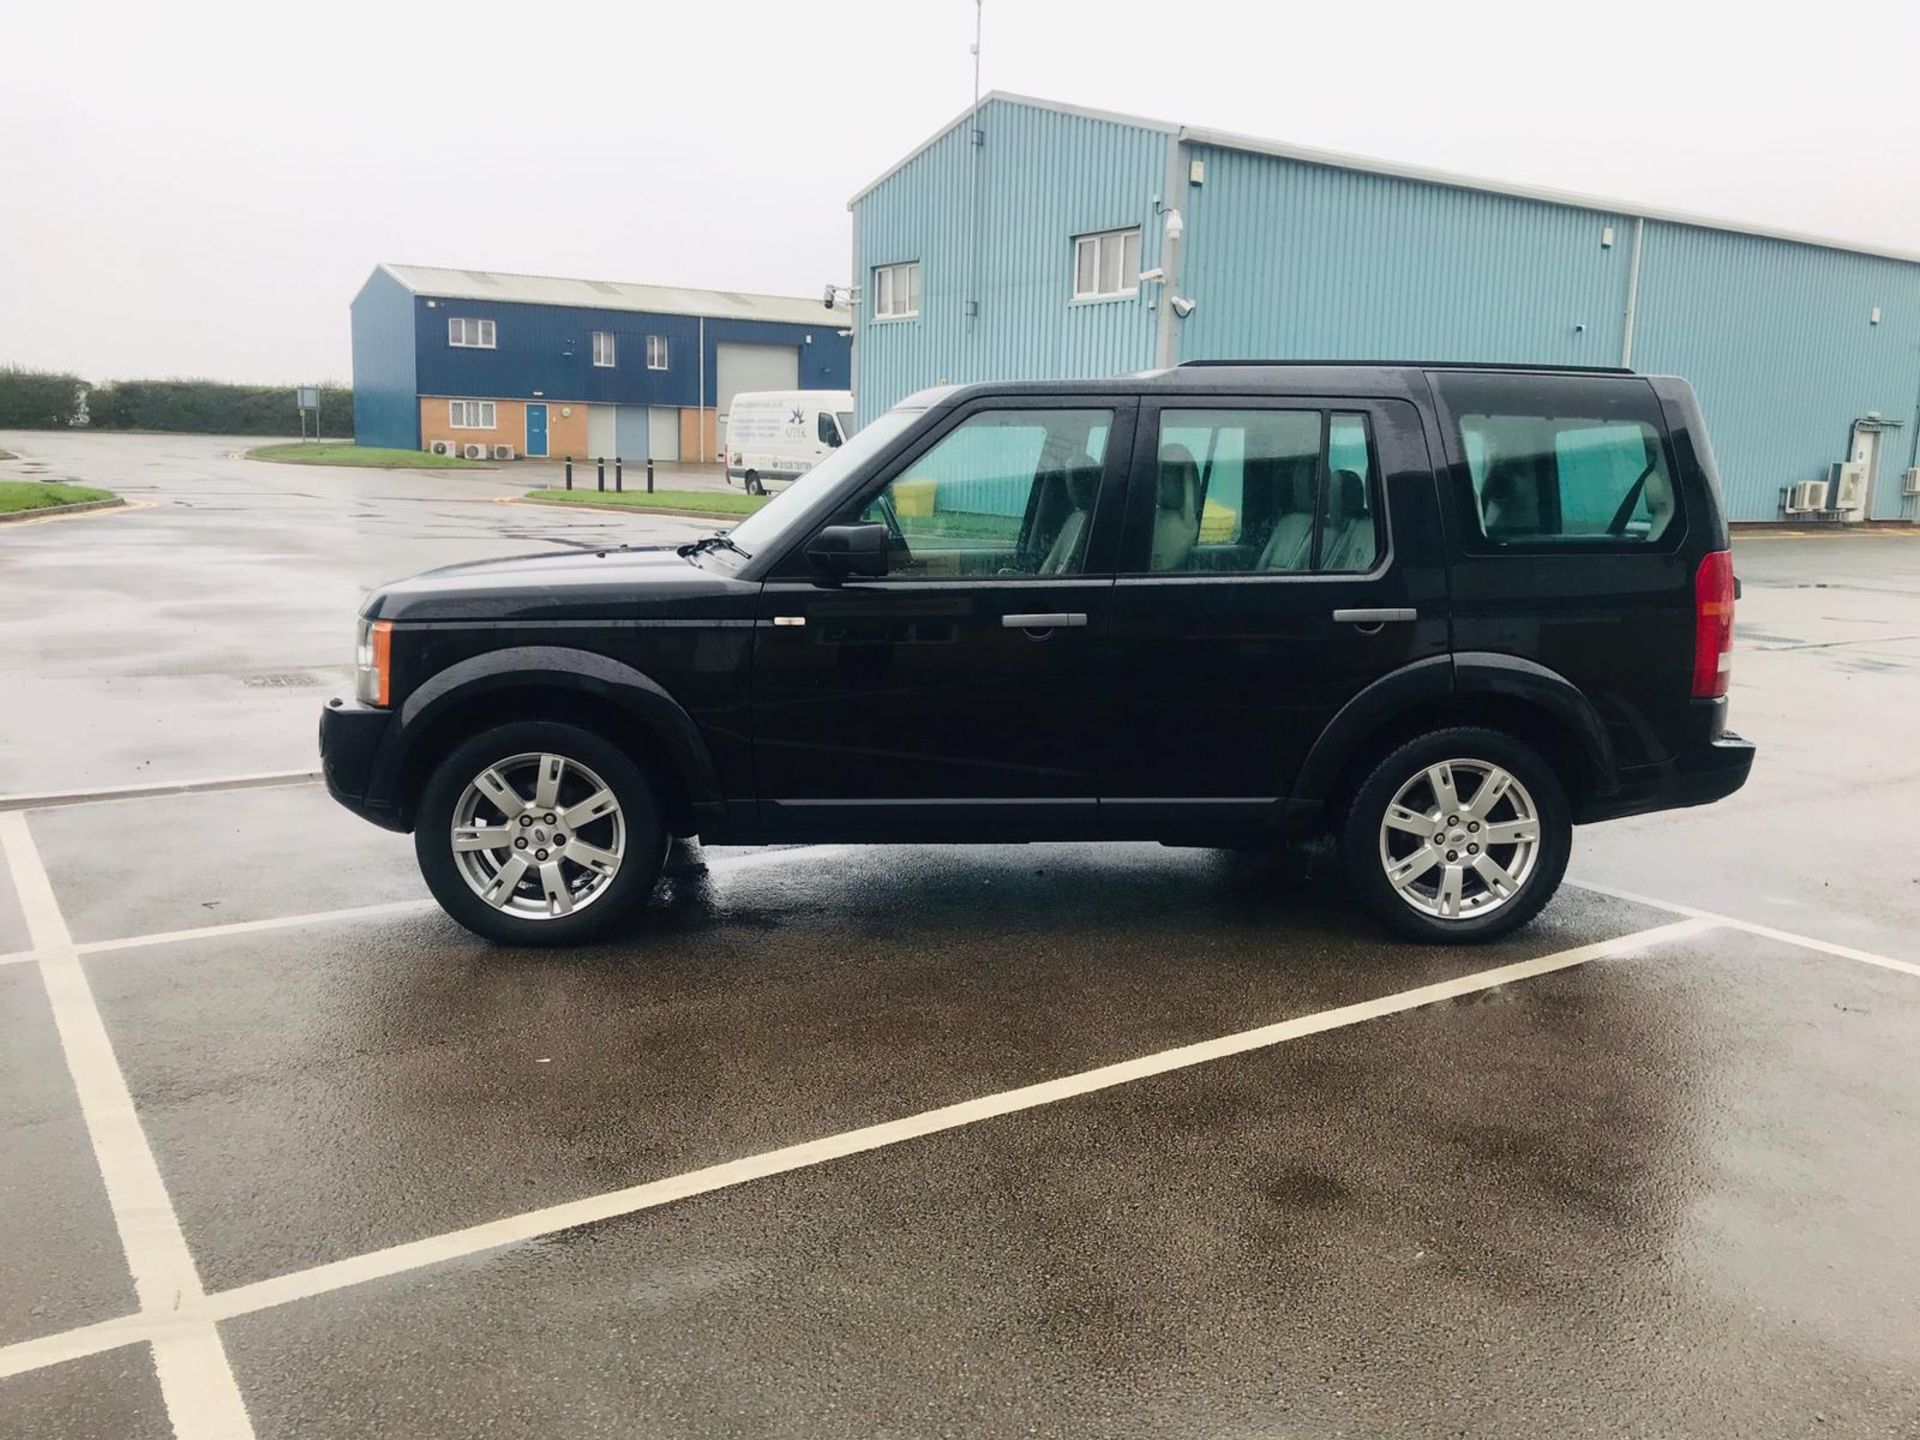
pixel 1033 239
pixel 542 366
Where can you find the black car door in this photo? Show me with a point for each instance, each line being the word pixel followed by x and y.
pixel 958 696
pixel 1279 556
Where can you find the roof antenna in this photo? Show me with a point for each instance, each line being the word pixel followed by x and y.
pixel 979 12
pixel 970 307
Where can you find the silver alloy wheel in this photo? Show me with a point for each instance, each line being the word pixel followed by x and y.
pixel 1460 839
pixel 538 836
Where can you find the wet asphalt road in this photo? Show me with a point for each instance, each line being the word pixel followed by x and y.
pixel 1670 1191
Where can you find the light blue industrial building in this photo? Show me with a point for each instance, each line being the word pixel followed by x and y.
pixel 1029 239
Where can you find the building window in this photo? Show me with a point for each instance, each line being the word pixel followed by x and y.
pixel 474 334
pixel 656 352
pixel 1106 265
pixel 470 414
pixel 603 349
pixel 896 291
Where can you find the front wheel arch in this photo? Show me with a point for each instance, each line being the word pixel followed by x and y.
pixel 467 715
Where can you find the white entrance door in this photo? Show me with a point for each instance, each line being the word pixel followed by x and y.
pixel 1866 453
pixel 663 433
pixel 602 440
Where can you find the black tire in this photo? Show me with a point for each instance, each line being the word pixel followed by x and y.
pixel 1360 835
pixel 641 859
pixel 754 487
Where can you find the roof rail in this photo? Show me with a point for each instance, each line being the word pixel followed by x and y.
pixel 1414 365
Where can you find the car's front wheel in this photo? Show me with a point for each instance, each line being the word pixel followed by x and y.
pixel 539 833
pixel 1460 835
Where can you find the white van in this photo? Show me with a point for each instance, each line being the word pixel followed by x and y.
pixel 774 436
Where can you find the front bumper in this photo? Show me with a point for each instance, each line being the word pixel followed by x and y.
pixel 350 738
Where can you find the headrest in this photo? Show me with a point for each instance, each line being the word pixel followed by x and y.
pixel 1508 501
pixel 1083 484
pixel 1351 488
pixel 1506 479
pixel 1179 478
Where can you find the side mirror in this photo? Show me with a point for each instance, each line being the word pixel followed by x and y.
pixel 842 552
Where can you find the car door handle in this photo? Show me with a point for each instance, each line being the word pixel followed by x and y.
pixel 1059 621
pixel 1373 617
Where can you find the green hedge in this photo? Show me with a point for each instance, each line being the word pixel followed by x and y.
pixel 37 400
pixel 32 400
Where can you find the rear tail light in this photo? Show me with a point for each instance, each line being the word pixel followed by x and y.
pixel 1713 625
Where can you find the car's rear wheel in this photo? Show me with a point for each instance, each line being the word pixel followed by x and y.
pixel 539 833
pixel 754 487
pixel 1461 835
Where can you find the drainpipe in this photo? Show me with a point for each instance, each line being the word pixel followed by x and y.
pixel 1633 294
pixel 700 420
pixel 1166 349
pixel 855 312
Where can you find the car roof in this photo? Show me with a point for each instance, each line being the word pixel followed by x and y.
pixel 1252 377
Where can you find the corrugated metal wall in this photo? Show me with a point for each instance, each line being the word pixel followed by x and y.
pixel 1287 259
pixel 1044 178
pixel 1779 342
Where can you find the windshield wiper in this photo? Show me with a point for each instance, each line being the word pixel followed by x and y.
pixel 712 542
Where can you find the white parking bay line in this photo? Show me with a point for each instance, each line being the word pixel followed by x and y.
pixel 724 864
pixel 245 927
pixel 196 1381
pixel 257 781
pixel 534 1224
pixel 1768 932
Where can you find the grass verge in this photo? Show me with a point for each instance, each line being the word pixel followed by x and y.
pixel 19 495
pixel 703 502
pixel 371 456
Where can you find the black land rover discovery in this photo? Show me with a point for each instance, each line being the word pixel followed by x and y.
pixel 1444 612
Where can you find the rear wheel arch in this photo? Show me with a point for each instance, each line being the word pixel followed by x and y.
pixel 1501 692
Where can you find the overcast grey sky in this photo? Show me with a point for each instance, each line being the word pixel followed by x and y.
pixel 199 189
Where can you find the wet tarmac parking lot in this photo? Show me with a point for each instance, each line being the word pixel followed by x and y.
pixel 1050 1140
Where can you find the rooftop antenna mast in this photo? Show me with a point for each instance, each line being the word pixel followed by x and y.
pixel 971 305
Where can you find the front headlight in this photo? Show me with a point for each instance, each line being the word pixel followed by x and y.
pixel 373 662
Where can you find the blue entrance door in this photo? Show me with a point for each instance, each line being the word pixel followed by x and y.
pixel 536 429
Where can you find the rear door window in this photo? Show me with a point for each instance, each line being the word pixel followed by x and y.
pixel 1558 460
pixel 1264 491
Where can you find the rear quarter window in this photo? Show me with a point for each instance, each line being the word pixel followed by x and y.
pixel 1559 461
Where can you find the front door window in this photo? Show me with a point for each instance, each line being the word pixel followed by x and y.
pixel 1009 493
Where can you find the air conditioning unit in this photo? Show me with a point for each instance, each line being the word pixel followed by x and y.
pixel 503 452
pixel 1807 495
pixel 1849 485
pixel 474 451
pixel 1910 483
pixel 442 447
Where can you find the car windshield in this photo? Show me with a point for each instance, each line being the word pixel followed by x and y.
pixel 799 500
